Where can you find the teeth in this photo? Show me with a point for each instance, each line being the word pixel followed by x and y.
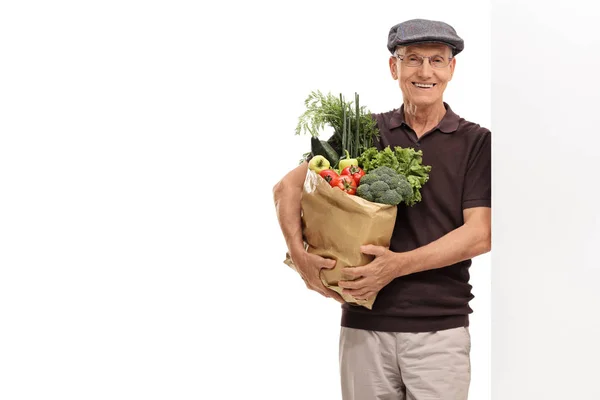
pixel 424 85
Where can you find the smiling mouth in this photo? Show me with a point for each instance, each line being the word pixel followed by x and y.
pixel 424 85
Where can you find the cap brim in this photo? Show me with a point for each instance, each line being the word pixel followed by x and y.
pixel 453 47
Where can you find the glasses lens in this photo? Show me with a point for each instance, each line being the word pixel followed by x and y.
pixel 439 61
pixel 413 60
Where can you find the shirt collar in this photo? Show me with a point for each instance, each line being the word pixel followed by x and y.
pixel 448 124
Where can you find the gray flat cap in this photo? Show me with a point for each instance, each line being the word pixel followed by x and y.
pixel 424 31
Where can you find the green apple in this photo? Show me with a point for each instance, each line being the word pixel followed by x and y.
pixel 318 164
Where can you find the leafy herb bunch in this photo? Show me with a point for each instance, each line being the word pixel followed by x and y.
pixel 354 128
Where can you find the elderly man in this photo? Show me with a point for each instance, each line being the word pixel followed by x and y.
pixel 414 344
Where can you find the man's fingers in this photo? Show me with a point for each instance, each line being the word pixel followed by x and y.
pixel 358 289
pixel 364 296
pixel 312 278
pixel 372 250
pixel 322 262
pixel 351 273
pixel 352 285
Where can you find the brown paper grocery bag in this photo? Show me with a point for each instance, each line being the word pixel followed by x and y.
pixel 335 225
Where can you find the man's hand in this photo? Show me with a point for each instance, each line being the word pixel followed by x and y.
pixel 309 267
pixel 366 281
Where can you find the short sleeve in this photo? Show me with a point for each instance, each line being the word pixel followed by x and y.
pixel 477 190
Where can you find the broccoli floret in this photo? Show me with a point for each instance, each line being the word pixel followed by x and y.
pixel 368 179
pixel 404 189
pixel 383 171
pixel 379 187
pixel 389 197
pixel 391 180
pixel 362 189
pixel 384 185
pixel 368 196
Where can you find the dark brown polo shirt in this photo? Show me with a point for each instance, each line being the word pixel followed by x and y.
pixel 459 153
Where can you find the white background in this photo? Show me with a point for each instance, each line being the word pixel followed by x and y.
pixel 140 254
pixel 545 97
pixel 143 139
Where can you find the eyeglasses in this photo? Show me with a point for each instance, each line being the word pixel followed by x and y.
pixel 415 60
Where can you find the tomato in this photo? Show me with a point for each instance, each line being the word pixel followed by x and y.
pixel 346 183
pixel 334 181
pixel 355 172
pixel 328 175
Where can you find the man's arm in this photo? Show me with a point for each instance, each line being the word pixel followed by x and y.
pixel 287 195
pixel 471 239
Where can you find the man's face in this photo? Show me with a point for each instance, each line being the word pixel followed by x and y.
pixel 423 85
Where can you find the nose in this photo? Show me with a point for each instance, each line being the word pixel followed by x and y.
pixel 425 70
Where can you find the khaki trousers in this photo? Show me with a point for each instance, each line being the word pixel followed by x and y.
pixel 405 366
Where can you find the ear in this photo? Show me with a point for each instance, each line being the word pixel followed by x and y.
pixel 393 68
pixel 452 65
